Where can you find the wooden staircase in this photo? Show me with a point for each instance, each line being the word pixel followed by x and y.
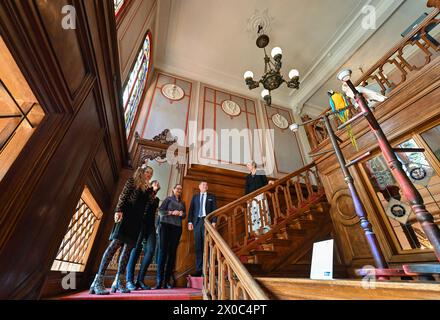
pixel 288 242
pixel 295 214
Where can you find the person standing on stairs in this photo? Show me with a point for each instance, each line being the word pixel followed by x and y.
pixel 172 211
pixel 255 180
pixel 133 202
pixel 146 242
pixel 202 204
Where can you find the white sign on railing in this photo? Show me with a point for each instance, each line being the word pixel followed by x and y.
pixel 322 260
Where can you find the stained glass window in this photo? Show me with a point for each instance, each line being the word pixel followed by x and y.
pixel 134 88
pixel 118 5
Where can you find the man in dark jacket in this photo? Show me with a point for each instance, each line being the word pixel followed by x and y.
pixel 202 204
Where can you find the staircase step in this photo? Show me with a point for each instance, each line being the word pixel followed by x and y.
pixel 263 252
pixel 281 242
pixel 295 232
pixel 253 267
pixel 303 224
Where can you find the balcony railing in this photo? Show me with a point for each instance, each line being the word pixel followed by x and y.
pixel 411 54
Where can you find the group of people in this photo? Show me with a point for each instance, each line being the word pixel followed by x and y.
pixel 135 230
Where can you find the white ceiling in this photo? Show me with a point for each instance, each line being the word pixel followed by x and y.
pixel 208 40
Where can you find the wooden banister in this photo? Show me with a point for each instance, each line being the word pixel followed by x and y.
pixel 252 195
pixel 248 283
pixel 225 276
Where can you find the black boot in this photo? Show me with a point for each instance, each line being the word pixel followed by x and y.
pixel 168 286
pixel 119 284
pixel 131 286
pixel 97 286
pixel 158 285
pixel 142 285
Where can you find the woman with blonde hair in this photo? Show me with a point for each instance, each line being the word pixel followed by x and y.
pixel 133 202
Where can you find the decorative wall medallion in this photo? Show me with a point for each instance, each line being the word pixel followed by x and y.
pixel 231 108
pixel 280 121
pixel 172 91
pixel 419 173
pixel 398 210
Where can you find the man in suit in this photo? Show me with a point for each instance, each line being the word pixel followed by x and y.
pixel 202 204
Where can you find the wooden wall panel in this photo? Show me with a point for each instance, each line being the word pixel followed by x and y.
pixel 65 44
pixel 227 186
pixel 72 75
pixel 50 207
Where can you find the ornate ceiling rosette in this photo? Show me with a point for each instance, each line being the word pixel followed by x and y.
pixel 231 108
pixel 280 121
pixel 173 91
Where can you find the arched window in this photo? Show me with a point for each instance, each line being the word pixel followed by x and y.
pixel 136 83
pixel 118 5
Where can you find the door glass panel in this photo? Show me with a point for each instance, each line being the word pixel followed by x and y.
pixel 396 206
pixel 432 139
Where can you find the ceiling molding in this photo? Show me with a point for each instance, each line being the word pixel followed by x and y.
pixel 351 38
pixel 314 110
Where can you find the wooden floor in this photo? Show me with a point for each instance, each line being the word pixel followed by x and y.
pixel 306 289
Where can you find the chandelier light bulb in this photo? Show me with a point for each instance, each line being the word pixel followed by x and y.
pixel 293 73
pixel 344 75
pixel 294 127
pixel 276 51
pixel 248 74
pixel 264 93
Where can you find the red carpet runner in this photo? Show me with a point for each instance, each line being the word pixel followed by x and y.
pixel 162 294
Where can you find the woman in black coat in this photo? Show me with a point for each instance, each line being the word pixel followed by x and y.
pixel 254 181
pixel 133 201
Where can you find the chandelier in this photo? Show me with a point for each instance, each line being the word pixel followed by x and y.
pixel 272 77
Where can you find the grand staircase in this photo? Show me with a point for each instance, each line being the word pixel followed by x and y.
pixel 274 260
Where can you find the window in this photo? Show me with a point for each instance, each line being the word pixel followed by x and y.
pixel 432 139
pixel 134 88
pixel 397 209
pixel 118 6
pixel 77 243
pixel 20 112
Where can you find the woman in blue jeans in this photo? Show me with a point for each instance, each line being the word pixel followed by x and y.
pixel 145 241
pixel 172 211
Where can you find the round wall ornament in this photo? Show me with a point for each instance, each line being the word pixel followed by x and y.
pixel 280 121
pixel 231 108
pixel 172 91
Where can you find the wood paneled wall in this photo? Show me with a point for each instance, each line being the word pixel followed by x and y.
pixel 227 186
pixel 74 75
pixel 413 105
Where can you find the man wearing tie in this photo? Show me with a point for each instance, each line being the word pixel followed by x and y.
pixel 202 204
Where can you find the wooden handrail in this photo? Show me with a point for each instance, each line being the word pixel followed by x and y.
pixel 259 191
pixel 427 21
pixel 248 282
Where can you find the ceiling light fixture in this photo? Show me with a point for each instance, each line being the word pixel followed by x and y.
pixel 272 78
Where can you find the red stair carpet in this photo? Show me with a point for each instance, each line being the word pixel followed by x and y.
pixel 192 292
pixel 162 294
